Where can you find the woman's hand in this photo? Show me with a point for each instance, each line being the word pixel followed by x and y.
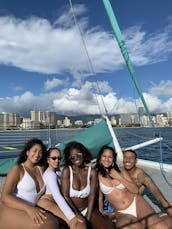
pixel 80 218
pixel 114 174
pixel 73 222
pixel 37 215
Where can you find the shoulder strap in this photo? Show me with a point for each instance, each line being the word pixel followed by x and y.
pixel 23 166
pixel 71 176
pixel 88 175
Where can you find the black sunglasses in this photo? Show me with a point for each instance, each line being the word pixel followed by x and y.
pixel 75 156
pixel 55 158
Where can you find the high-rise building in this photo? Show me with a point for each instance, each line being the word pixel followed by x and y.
pixel 51 118
pixel 141 111
pixel 37 116
pixel 9 120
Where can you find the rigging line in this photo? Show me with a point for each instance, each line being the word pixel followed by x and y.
pixel 89 61
pixel 167 146
pixel 163 172
pixel 125 54
pixel 136 106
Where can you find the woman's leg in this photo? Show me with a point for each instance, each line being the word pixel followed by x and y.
pixel 11 218
pixel 52 207
pixel 166 218
pixel 98 221
pixel 147 216
pixel 127 221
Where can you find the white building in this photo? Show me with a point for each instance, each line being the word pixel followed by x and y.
pixel 78 123
pixel 66 122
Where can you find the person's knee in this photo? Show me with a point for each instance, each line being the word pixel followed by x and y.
pixel 51 222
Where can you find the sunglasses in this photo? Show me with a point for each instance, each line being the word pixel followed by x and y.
pixel 75 156
pixel 55 158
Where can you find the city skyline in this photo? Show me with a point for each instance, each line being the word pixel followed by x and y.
pixel 43 63
pixel 48 119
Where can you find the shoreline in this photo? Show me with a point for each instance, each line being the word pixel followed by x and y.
pixel 83 128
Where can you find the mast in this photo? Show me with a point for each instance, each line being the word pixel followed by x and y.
pixel 125 54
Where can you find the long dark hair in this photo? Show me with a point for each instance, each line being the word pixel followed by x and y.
pixel 100 167
pixel 28 145
pixel 76 145
pixel 48 154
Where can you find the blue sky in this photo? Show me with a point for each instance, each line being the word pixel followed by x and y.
pixel 44 66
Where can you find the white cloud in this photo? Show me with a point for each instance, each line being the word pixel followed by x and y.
pixel 164 88
pixel 36 45
pixel 49 84
pixel 85 100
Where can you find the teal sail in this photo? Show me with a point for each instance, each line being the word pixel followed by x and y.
pixel 125 54
pixel 6 164
pixel 93 138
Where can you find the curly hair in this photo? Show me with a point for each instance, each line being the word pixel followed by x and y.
pixel 76 145
pixel 100 167
pixel 28 145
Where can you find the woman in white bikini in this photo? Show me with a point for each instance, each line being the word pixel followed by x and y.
pixel 53 200
pixel 79 185
pixel 132 211
pixel 23 187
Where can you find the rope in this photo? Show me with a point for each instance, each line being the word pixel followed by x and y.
pixel 163 172
pixel 89 61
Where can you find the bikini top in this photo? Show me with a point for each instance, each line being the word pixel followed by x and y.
pixel 26 189
pixel 79 193
pixel 107 189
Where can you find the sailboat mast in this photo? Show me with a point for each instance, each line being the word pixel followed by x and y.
pixel 125 54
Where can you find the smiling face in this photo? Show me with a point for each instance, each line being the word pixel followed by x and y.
pixel 54 159
pixel 107 158
pixel 34 154
pixel 129 160
pixel 76 157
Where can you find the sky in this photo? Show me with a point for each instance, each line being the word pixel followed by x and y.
pixel 52 59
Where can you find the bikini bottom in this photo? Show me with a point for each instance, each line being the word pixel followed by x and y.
pixel 131 209
pixel 84 212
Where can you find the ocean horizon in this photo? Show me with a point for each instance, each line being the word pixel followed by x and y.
pixel 127 137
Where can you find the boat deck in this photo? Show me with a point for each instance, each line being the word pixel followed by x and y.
pixel 158 178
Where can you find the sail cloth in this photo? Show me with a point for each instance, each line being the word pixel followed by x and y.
pixel 93 138
pixel 6 164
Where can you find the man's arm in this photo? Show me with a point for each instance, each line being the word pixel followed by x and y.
pixel 147 181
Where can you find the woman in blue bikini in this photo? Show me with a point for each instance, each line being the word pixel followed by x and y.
pixel 132 211
pixel 22 189
pixel 79 185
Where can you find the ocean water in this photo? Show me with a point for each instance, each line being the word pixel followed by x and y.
pixel 126 136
